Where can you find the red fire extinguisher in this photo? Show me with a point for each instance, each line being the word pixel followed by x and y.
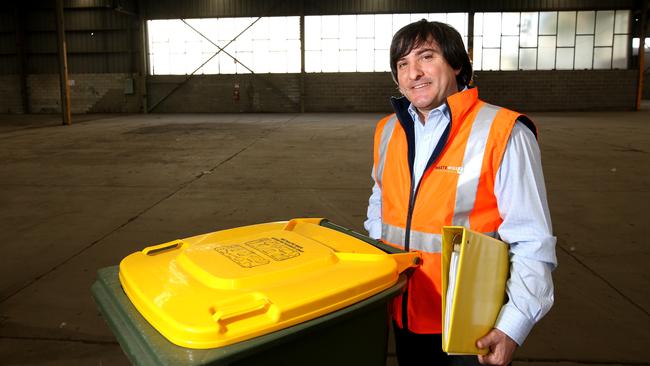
pixel 235 92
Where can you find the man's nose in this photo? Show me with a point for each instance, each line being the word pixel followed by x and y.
pixel 414 71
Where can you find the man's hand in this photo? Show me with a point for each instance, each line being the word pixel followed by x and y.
pixel 501 347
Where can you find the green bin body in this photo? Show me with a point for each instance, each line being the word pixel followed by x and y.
pixel 355 335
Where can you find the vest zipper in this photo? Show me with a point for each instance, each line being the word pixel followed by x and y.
pixel 412 196
pixel 407 243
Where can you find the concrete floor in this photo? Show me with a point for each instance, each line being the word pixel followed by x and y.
pixel 75 199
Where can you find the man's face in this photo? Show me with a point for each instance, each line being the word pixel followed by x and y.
pixel 425 78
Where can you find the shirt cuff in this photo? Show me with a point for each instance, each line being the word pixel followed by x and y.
pixel 513 323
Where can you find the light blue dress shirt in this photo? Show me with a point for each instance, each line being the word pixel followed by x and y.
pixel 521 199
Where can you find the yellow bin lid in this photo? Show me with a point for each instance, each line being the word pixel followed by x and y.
pixel 220 288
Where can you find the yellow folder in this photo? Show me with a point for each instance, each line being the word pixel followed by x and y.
pixel 474 274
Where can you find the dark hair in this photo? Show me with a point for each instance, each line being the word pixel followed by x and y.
pixel 448 39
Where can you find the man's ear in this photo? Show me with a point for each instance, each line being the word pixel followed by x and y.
pixel 456 72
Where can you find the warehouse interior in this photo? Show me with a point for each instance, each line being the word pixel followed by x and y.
pixel 129 123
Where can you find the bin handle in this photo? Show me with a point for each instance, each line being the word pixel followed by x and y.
pixel 239 307
pixel 172 245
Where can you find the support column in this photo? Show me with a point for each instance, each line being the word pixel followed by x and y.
pixel 642 36
pixel 302 59
pixel 63 65
pixel 143 66
pixel 21 61
pixel 470 41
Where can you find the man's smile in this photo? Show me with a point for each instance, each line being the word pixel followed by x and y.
pixel 421 85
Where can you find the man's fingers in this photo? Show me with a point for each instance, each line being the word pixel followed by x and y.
pixel 486 341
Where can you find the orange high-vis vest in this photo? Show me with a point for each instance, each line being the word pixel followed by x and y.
pixel 456 188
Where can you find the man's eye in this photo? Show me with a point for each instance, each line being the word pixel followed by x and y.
pixel 401 65
pixel 427 57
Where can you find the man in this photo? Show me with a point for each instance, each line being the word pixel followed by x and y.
pixel 447 158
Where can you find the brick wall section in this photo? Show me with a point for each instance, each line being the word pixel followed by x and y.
pixel 216 93
pixel 349 92
pixel 328 92
pixel 10 97
pixel 556 90
pixel 370 92
pixel 101 93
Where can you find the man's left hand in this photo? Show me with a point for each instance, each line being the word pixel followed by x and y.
pixel 501 347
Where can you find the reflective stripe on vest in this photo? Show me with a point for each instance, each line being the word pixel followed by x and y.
pixel 472 164
pixel 387 132
pixel 426 242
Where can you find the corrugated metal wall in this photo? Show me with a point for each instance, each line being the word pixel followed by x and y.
pixel 166 9
pixel 100 37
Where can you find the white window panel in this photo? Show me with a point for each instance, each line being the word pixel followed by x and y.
pixel 330 55
pixel 509 53
pixel 418 16
pixel 260 29
pixel 365 55
pixel 227 65
pixel 365 26
pixel 383 31
pixel 527 57
pixel 477 53
pixel 261 56
pixel 621 23
pixel 277 31
pixel 348 61
pixel 528 30
pixel 604 28
pixel 620 56
pixel 226 30
pixel 161 64
pixel 548 23
pixel 510 24
pixel 382 60
pixel 330 26
pixel 490 59
pixel 211 67
pixel 564 59
pixel 491 30
pixel 566 32
pixel 207 27
pixel 244 42
pixel 312 33
pixel 313 61
pixel 602 58
pixel 586 20
pixel 437 17
pixel 293 59
pixel 246 25
pixel 158 30
pixel 278 44
pixel 292 28
pixel 277 61
pixel 546 53
pixel 584 52
pixel 194 51
pixel 458 21
pixel 347 32
pixel 245 58
pixel 400 20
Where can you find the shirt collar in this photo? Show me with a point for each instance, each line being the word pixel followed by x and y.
pixel 443 111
